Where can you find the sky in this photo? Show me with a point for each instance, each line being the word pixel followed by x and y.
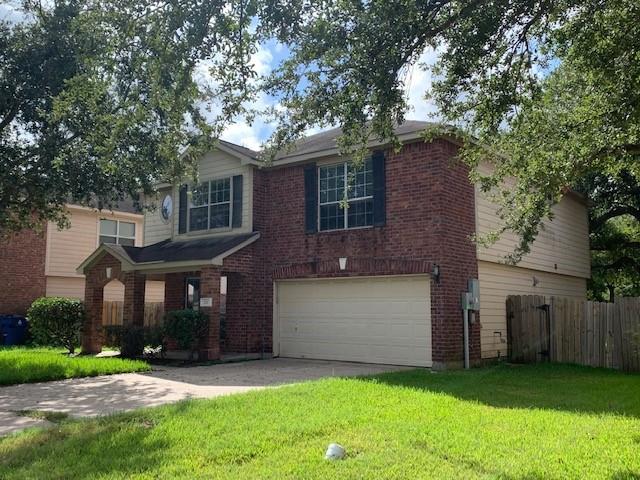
pixel 265 59
pixel 268 56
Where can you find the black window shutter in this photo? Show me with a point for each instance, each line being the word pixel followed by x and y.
pixel 310 199
pixel 183 206
pixel 379 181
pixel 236 216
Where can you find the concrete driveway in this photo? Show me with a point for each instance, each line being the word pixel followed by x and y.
pixel 86 397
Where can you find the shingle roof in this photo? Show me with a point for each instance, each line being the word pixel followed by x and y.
pixel 240 149
pixel 328 140
pixel 200 249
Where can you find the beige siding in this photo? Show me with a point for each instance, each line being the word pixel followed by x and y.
pixel 73 287
pixel 113 291
pixel 155 228
pixel 221 165
pixel 154 291
pixel 70 287
pixel 498 281
pixel 561 247
pixel 68 248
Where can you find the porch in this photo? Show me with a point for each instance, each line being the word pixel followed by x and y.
pixel 219 276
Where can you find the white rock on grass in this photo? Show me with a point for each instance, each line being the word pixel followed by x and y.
pixel 335 452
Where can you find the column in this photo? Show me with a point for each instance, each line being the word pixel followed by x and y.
pixel 210 292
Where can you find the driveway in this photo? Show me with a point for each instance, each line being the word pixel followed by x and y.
pixel 86 397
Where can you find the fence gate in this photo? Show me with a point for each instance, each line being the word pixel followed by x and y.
pixel 569 330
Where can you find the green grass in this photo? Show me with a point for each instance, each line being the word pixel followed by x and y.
pixel 27 365
pixel 500 422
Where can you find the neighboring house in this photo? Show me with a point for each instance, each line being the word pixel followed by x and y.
pixel 378 283
pixel 35 264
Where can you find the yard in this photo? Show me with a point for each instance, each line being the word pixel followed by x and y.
pixel 26 365
pixel 500 422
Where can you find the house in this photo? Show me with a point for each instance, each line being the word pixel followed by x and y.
pixel 34 264
pixel 378 282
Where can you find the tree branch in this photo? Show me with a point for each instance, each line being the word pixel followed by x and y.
pixel 597 222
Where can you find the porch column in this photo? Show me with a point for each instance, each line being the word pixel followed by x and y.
pixel 92 327
pixel 134 284
pixel 210 289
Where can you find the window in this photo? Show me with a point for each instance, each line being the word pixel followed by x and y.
pixel 344 182
pixel 210 205
pixel 115 231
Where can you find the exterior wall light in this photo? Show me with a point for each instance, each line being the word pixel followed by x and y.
pixel 435 273
pixel 343 263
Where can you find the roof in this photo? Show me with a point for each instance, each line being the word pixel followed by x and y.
pixel 126 205
pixel 328 140
pixel 240 149
pixel 202 251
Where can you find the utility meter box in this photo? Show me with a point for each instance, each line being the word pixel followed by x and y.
pixel 473 288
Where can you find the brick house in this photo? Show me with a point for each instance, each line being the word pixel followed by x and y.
pixel 42 263
pixel 379 281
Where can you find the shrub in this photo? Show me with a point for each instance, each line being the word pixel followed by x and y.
pixel 185 327
pixel 131 341
pixel 56 321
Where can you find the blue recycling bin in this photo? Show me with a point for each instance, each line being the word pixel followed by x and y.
pixel 13 329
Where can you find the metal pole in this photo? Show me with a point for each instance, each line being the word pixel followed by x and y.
pixel 465 320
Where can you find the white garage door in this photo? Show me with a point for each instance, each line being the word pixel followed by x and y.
pixel 373 320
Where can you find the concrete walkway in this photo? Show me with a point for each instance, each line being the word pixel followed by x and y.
pixel 86 397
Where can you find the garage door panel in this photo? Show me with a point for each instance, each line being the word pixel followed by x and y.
pixel 378 320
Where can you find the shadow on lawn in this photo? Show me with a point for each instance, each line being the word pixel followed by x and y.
pixel 122 446
pixel 558 387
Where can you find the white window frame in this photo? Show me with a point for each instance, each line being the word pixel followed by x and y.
pixel 209 204
pixel 345 226
pixel 117 235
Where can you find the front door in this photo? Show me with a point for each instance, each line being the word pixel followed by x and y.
pixel 192 294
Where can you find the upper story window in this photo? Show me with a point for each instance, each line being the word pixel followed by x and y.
pixel 344 185
pixel 118 232
pixel 210 205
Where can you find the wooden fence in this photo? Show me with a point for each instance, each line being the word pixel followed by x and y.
pixel 112 313
pixel 568 330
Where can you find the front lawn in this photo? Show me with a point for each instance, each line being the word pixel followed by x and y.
pixel 528 422
pixel 26 365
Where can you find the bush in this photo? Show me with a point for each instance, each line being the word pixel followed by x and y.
pixel 186 328
pixel 131 342
pixel 56 321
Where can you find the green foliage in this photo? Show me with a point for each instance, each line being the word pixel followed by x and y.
pixel 27 365
pixel 131 341
pixel 548 92
pixel 128 339
pixel 525 422
pixel 99 100
pixel 56 321
pixel 186 327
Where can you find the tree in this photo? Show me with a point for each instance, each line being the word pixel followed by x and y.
pixel 547 90
pixel 98 99
pixel 615 235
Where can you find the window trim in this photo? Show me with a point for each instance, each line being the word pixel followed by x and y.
pixel 209 204
pixel 117 236
pixel 349 200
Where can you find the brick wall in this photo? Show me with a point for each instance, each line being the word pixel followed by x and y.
pixel 22 264
pixel 430 219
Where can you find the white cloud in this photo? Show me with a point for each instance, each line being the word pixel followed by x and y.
pixel 418 83
pixel 242 133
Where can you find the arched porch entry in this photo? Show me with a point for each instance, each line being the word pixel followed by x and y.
pixel 100 275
